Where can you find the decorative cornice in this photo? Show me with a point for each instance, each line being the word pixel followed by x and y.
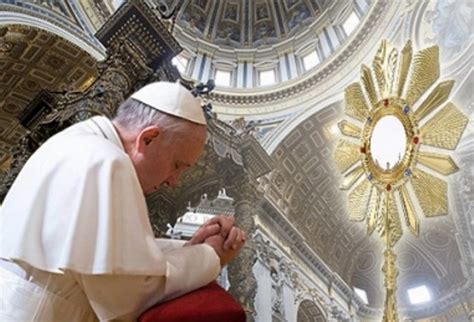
pixel 298 248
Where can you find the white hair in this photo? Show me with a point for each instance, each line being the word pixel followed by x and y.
pixel 134 116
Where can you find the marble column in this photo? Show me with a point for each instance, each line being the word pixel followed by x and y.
pixel 243 285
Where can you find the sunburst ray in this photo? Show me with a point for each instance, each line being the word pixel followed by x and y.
pixel 374 206
pixel 392 61
pixel 384 66
pixel 431 193
pixel 368 82
pixel 405 61
pixel 445 129
pixel 346 155
pixel 440 163
pixel 356 106
pixel 358 201
pixel 425 73
pixel 437 97
pixel 411 219
pixel 349 129
pixel 351 177
pixel 378 67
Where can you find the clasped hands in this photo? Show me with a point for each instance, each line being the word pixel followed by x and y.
pixel 220 233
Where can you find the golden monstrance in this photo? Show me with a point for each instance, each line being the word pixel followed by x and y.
pixel 383 177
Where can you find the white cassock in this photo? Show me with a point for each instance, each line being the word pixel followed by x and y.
pixel 75 239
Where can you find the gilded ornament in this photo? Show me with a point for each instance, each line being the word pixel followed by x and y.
pixel 356 105
pixel 349 129
pixel 424 74
pixel 440 163
pixel 358 200
pixel 347 154
pixel 374 198
pixel 409 212
pixel 369 86
pixel 444 130
pixel 351 177
pixel 431 192
pixel 437 97
pixel 405 62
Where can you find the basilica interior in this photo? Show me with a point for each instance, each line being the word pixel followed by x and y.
pixel 280 70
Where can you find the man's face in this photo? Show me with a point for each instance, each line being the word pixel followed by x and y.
pixel 164 157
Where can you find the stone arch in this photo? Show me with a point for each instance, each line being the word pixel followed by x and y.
pixel 309 311
pixel 95 50
pixel 35 59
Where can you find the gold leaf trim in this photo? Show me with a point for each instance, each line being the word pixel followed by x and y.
pixel 409 211
pixel 445 129
pixel 437 97
pixel 431 193
pixel 358 201
pixel 369 86
pixel 349 129
pixel 425 73
pixel 384 66
pixel 356 105
pixel 374 205
pixel 391 70
pixel 351 177
pixel 345 155
pixel 378 67
pixel 405 61
pixel 438 162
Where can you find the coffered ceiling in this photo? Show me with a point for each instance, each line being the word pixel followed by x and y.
pixel 30 60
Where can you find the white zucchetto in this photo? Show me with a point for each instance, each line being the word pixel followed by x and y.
pixel 171 98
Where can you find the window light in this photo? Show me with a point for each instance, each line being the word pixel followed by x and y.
pixel 181 63
pixel 351 23
pixel 117 3
pixel 267 77
pixel 222 78
pixel 418 295
pixel 310 60
pixel 362 294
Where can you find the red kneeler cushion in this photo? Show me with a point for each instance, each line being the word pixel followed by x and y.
pixel 210 303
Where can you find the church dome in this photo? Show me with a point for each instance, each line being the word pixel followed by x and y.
pixel 261 44
pixel 248 24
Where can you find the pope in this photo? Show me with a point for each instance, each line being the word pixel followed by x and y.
pixel 76 243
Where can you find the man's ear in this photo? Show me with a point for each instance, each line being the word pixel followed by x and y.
pixel 146 136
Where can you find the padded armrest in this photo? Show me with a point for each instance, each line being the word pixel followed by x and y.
pixel 210 303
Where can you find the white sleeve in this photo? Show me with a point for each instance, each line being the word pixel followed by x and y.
pixel 169 244
pixel 125 297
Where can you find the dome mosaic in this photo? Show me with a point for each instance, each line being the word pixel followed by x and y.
pixel 247 24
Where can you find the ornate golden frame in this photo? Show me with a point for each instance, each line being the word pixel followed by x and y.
pixel 398 175
pixel 401 81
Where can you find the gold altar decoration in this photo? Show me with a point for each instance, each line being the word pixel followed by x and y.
pixel 409 184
